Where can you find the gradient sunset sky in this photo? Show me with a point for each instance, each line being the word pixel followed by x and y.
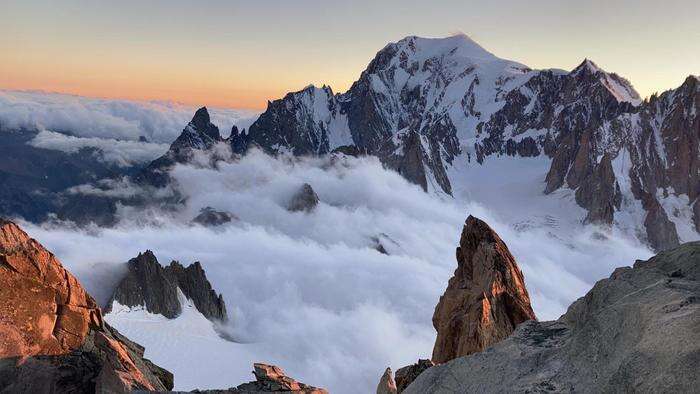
pixel 242 53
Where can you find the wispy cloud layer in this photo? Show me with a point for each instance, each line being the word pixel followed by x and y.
pixel 159 122
pixel 68 123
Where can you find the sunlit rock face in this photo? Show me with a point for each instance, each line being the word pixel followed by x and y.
pixel 485 299
pixel 52 336
pixel 386 384
pixel 43 307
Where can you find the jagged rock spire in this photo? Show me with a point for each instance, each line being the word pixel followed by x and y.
pixel 485 299
pixel 202 123
pixel 151 285
pixel 386 383
pixel 199 135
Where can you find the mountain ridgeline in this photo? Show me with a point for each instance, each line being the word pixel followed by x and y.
pixel 429 107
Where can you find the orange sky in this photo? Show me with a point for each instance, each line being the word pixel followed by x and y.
pixel 240 54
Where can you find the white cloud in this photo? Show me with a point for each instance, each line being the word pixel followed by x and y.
pixel 308 291
pixel 114 126
pixel 158 121
pixel 121 153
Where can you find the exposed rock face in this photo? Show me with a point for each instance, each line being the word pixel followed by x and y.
pixel 147 284
pixel 271 379
pixel 199 135
pixel 406 375
pixel 378 246
pixel 386 383
pixel 60 313
pixel 661 232
pixel 294 123
pixel 208 216
pixel 151 285
pixel 305 199
pixel 485 299
pixel 636 331
pixel 193 282
pixel 422 102
pixel 600 193
pixel 381 241
pixel 52 336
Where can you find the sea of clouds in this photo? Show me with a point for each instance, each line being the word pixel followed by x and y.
pixel 308 291
pixel 69 122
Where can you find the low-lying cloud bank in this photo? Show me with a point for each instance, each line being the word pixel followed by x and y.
pixel 69 122
pixel 120 153
pixel 308 291
pixel 158 121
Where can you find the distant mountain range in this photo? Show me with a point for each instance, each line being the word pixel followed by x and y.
pixel 429 108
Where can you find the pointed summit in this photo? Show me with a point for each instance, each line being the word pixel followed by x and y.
pixel 201 123
pixel 485 299
pixel 199 135
pixel 620 88
pixel 201 117
pixel 586 66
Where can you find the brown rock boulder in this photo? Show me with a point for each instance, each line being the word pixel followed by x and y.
pixel 406 375
pixel 485 299
pixel 52 337
pixel 386 383
pixel 272 379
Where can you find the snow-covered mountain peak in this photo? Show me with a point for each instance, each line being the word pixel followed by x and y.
pixel 456 46
pixel 619 87
pixel 587 66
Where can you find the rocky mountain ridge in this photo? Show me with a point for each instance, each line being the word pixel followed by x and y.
pixel 150 285
pixel 485 299
pixel 429 107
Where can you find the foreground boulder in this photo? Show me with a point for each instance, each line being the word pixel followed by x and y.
pixel 52 336
pixel 637 331
pixel 155 287
pixel 485 299
pixel 269 379
pixel 406 375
